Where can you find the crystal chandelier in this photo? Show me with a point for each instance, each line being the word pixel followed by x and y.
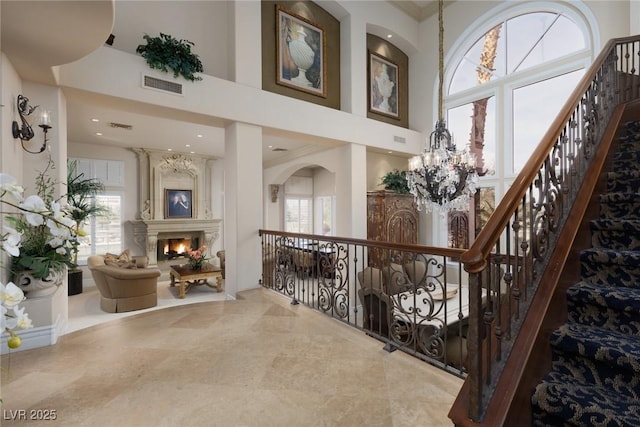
pixel 441 178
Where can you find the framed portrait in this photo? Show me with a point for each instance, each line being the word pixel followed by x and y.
pixel 177 204
pixel 383 86
pixel 300 53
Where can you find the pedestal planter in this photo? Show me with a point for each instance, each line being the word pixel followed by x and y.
pixel 34 287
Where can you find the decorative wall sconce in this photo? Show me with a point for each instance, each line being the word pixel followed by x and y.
pixel 274 188
pixel 25 132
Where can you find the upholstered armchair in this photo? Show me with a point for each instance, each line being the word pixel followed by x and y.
pixel 125 287
pixel 221 255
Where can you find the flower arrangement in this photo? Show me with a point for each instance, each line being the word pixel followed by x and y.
pixel 39 236
pixel 47 235
pixel 197 257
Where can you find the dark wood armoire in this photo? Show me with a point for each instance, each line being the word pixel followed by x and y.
pixel 391 217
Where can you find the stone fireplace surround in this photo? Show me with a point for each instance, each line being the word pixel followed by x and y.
pixel 159 171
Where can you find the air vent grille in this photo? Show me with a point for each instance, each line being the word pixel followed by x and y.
pixel 279 149
pixel 120 126
pixel 163 85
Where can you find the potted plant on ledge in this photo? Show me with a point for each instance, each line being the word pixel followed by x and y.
pixel 166 52
pixel 396 181
pixel 81 192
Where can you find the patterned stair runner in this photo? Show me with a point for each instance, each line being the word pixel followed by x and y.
pixel 595 375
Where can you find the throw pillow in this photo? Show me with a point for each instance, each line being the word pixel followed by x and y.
pixel 122 261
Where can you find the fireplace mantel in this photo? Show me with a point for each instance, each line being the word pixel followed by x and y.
pixel 145 232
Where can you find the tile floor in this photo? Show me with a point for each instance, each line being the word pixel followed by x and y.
pixel 253 361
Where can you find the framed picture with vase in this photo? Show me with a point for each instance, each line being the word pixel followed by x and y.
pixel 300 56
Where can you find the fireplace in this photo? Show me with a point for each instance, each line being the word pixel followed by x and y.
pixel 169 249
pixel 169 239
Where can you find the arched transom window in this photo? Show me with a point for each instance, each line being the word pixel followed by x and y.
pixel 507 85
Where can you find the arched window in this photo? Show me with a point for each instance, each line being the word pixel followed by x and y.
pixel 508 80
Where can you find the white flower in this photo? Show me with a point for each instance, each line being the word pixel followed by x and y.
pixel 10 295
pixel 11 242
pixel 8 184
pixel 22 319
pixel 35 208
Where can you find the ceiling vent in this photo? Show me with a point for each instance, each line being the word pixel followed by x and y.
pixel 279 149
pixel 161 85
pixel 120 126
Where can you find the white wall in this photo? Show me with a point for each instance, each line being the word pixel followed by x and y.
pixel 205 23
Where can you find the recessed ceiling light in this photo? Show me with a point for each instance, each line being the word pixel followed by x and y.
pixel 95 120
pixel 99 133
pixel 169 149
pixel 269 146
pixel 390 152
pixel 199 135
pixel 187 145
pixel 192 152
pixel 389 36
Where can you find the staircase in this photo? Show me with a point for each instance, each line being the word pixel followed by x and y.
pixel 595 371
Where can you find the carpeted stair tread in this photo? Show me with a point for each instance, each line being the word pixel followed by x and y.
pixel 620 205
pixel 619 234
pixel 626 182
pixel 610 347
pixel 558 400
pixel 615 308
pixel 629 143
pixel 584 370
pixel 632 125
pixel 622 155
pixel 614 267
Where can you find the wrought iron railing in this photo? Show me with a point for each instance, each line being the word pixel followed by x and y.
pixel 519 237
pixel 410 297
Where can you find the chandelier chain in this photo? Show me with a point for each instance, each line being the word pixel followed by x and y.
pixel 440 58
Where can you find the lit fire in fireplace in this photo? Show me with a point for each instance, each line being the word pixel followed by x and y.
pixel 176 247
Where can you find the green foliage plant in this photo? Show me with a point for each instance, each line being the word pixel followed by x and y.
pixel 166 52
pixel 396 181
pixel 81 192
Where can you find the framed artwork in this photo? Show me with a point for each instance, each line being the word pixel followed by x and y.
pixel 177 204
pixel 383 86
pixel 300 56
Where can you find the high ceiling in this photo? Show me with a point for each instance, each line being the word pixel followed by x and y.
pixel 33 52
pixel 419 9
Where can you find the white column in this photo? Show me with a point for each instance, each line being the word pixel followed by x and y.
pixel 353 34
pixel 243 206
pixel 351 193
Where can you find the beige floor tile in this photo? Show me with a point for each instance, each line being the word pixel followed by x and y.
pixel 256 361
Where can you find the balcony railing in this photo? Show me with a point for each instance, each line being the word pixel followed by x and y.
pixel 413 298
